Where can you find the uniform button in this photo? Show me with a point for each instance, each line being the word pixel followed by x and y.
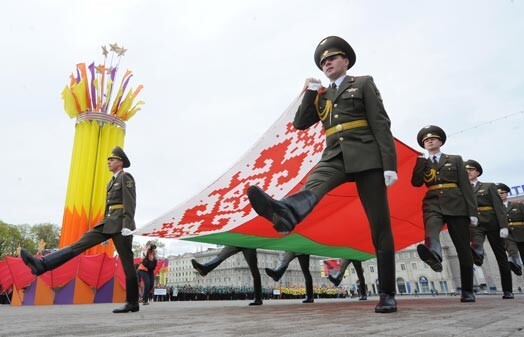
pixel 338 127
pixel 438 172
pixel 341 139
pixel 335 105
pixel 336 116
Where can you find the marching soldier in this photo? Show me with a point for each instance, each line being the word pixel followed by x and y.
pixel 448 200
pixel 117 225
pixel 251 258
pixel 515 240
pixel 493 224
pixel 303 260
pixel 360 148
pixel 337 278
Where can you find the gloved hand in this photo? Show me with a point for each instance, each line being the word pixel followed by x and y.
pixel 390 177
pixel 474 221
pixel 313 84
pixel 127 232
pixel 504 233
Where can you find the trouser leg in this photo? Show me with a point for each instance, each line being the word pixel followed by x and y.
pixel 497 244
pixel 124 247
pixel 251 258
pixel 458 228
pixel 373 195
pixel 304 265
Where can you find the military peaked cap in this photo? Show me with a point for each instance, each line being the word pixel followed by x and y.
pixel 119 154
pixel 473 164
pixel 503 187
pixel 431 131
pixel 334 45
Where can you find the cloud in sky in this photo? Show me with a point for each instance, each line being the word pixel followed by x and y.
pixel 218 74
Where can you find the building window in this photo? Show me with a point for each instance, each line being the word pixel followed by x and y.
pixel 371 269
pixel 414 265
pixel 402 266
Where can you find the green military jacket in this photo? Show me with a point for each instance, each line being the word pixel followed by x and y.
pixel 357 100
pixel 120 204
pixel 515 214
pixel 487 197
pixel 452 201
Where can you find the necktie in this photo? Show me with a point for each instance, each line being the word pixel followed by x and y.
pixel 435 159
pixel 334 86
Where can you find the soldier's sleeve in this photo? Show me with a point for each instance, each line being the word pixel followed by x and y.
pixel 380 125
pixel 129 200
pixel 417 178
pixel 465 186
pixel 306 114
pixel 498 206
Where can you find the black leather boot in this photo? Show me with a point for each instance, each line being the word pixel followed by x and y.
pixel 336 279
pixel 467 296
pixel 429 257
pixel 285 214
pixel 508 295
pixel 386 304
pixel 275 274
pixel 478 256
pixel 204 269
pixel 128 307
pixel 515 265
pixel 48 262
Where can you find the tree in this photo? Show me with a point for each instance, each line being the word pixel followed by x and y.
pixel 47 232
pixel 10 238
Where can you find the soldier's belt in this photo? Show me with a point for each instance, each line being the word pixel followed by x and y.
pixel 116 206
pixel 346 126
pixel 485 208
pixel 440 186
pixel 518 223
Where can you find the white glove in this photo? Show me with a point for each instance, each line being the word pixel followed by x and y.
pixel 313 84
pixel 390 177
pixel 127 232
pixel 474 221
pixel 504 233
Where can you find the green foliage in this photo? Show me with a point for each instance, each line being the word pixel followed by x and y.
pixel 28 237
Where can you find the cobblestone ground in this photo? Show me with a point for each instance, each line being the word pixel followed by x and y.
pixel 423 316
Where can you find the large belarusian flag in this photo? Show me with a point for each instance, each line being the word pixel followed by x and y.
pixel 279 163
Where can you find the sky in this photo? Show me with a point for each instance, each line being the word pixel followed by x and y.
pixel 217 74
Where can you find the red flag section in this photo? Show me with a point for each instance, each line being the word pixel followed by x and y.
pixel 279 163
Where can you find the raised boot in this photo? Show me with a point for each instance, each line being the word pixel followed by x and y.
pixel 336 279
pixel 478 255
pixel 204 269
pixel 275 274
pixel 429 257
pixel 48 262
pixel 285 214
pixel 515 264
pixel 36 265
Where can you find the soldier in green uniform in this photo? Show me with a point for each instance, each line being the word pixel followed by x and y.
pixel 303 260
pixel 493 224
pixel 515 240
pixel 359 148
pixel 337 278
pixel 117 225
pixel 250 255
pixel 448 200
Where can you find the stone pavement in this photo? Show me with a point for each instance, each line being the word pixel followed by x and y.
pixel 417 316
